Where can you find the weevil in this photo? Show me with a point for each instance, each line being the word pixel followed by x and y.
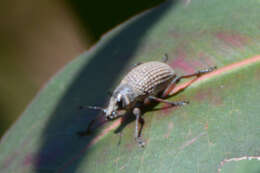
pixel 143 83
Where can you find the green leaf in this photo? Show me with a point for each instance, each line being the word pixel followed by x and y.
pixel 240 165
pixel 221 121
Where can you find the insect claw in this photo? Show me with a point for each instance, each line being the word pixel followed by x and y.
pixel 181 103
pixel 140 142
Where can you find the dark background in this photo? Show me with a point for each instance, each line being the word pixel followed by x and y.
pixel 39 37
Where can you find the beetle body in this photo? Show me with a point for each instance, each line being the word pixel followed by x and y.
pixel 146 79
pixel 144 82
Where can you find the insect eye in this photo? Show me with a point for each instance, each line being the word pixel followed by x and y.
pixel 120 104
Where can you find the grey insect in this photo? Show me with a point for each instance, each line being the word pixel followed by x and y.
pixel 143 83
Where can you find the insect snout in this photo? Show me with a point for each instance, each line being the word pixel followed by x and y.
pixel 112 116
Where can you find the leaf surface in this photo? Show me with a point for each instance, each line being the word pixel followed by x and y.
pixel 221 121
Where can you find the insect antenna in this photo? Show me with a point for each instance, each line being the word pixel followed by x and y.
pixel 93 108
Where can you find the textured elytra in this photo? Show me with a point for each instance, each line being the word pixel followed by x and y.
pixel 149 78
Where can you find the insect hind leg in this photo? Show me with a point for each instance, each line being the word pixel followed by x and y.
pixel 177 79
pixel 180 103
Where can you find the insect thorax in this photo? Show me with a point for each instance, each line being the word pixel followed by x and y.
pixel 125 93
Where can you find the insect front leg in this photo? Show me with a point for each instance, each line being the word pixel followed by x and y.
pixel 177 79
pixel 88 130
pixel 139 140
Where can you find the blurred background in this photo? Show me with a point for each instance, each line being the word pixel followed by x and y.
pixel 37 38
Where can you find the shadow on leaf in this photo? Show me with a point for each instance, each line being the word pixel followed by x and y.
pixel 61 150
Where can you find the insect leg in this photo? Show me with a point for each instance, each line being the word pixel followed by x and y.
pixel 165 58
pixel 88 130
pixel 139 140
pixel 177 79
pixel 181 103
pixel 198 73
